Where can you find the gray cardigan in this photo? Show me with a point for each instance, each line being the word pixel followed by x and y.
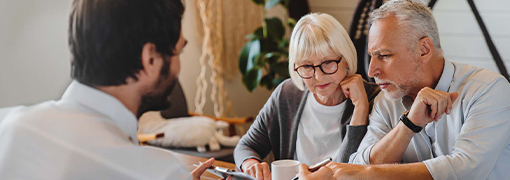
pixel 275 128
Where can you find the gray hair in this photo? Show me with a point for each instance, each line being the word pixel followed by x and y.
pixel 415 19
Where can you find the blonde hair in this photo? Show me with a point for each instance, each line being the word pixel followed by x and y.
pixel 316 35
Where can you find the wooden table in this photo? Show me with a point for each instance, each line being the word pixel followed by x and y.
pixel 188 161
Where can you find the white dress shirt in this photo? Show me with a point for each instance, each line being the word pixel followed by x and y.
pixel 473 142
pixel 88 134
pixel 319 133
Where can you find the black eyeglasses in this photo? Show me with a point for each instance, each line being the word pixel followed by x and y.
pixel 327 67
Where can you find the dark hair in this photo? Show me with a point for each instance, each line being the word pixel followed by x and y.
pixel 106 37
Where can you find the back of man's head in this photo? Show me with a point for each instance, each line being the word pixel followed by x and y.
pixel 106 37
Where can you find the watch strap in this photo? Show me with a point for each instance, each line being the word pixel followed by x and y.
pixel 409 124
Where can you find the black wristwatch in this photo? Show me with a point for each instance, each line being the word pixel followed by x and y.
pixel 409 124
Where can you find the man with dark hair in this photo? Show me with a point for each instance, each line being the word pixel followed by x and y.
pixel 125 61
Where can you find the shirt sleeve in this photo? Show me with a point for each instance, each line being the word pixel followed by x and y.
pixel 483 137
pixel 255 144
pixel 378 127
pixel 28 152
pixel 350 144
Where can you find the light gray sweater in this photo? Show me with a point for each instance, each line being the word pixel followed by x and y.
pixel 275 128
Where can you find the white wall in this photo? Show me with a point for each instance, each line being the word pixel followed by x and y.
pixel 461 37
pixel 460 34
pixel 34 58
pixel 342 10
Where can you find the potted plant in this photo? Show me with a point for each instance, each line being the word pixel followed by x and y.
pixel 264 58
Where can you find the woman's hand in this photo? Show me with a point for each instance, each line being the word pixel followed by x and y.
pixel 322 173
pixel 354 89
pixel 256 169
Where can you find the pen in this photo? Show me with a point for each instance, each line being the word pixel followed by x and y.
pixel 316 167
pixel 221 169
pixel 142 138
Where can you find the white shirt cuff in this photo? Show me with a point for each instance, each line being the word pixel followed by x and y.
pixel 361 157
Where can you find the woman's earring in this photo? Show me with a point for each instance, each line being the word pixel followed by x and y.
pixel 347 70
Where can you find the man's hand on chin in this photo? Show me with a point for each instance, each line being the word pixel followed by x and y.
pixel 430 105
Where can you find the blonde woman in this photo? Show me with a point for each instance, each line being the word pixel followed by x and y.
pixel 321 111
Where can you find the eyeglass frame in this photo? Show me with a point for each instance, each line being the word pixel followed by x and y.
pixel 320 67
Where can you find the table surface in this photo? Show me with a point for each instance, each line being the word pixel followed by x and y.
pixel 188 161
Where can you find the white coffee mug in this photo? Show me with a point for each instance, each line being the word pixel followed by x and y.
pixel 284 169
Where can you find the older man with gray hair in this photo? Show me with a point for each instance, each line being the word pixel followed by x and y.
pixel 436 119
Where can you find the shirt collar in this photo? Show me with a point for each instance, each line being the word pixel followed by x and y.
pixel 443 84
pixel 447 77
pixel 105 104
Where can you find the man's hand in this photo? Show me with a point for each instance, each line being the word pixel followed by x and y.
pixel 201 169
pixel 256 169
pixel 347 171
pixel 323 173
pixel 430 105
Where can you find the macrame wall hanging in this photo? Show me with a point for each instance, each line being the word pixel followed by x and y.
pixel 225 24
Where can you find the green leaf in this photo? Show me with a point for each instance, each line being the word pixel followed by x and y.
pixel 284 44
pixel 270 85
pixel 291 22
pixel 243 57
pixel 266 43
pixel 275 29
pixel 252 79
pixel 267 81
pixel 269 45
pixel 284 3
pixel 273 57
pixel 257 34
pixel 259 2
pixel 271 3
pixel 277 81
pixel 248 54
pixel 260 60
pixel 281 68
pixel 250 37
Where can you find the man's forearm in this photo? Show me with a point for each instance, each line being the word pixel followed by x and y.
pixel 416 171
pixel 392 146
pixel 381 171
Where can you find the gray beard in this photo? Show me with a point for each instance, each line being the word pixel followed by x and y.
pixel 403 90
